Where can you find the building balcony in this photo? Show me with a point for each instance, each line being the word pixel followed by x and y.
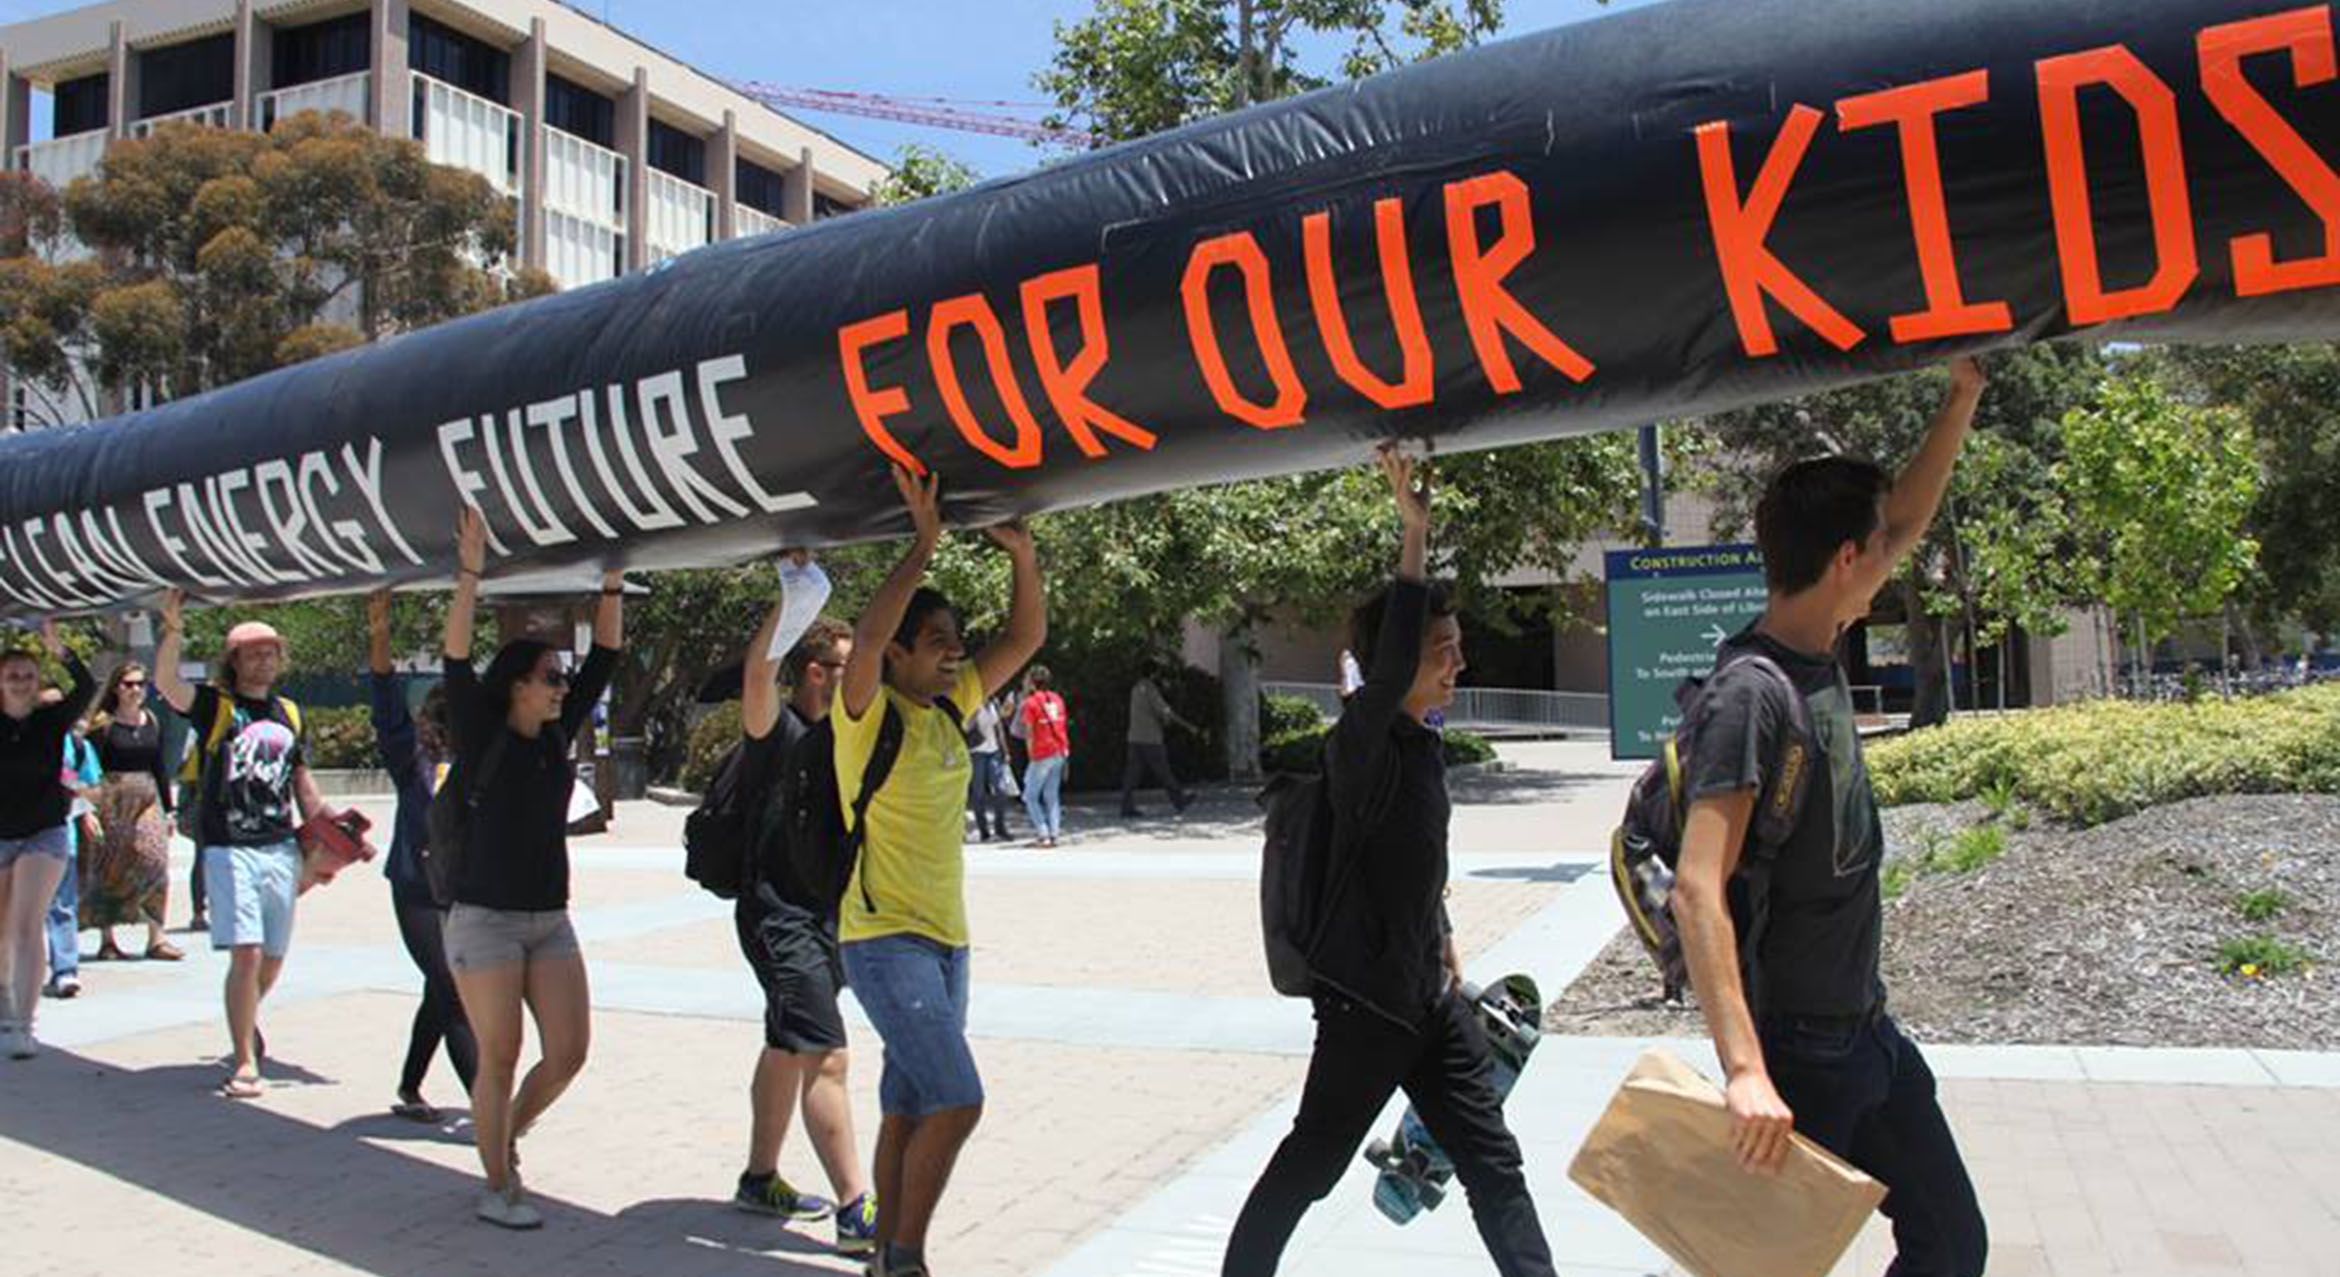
pixel 344 93
pixel 676 217
pixel 466 131
pixel 59 160
pixel 214 116
pixel 746 221
pixel 584 180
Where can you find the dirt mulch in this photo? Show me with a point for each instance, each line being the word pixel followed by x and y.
pixel 2108 935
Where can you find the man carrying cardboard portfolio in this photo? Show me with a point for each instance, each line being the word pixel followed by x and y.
pixel 1782 937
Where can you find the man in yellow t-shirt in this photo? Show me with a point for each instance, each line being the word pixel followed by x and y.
pixel 903 921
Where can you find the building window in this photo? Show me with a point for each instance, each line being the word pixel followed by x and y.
pixel 824 206
pixel 80 106
pixel 321 51
pixel 185 76
pixel 451 57
pixel 674 151
pixel 762 189
pixel 579 112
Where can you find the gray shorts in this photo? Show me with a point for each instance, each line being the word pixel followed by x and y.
pixel 478 938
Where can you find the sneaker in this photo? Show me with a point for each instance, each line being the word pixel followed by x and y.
pixel 17 1042
pixel 508 1208
pixel 857 1226
pixel 63 987
pixel 772 1195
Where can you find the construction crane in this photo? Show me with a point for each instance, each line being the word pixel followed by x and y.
pixel 941 113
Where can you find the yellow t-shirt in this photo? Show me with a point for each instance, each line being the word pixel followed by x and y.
pixel 913 863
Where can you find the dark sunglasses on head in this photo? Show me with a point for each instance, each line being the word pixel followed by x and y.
pixel 554 677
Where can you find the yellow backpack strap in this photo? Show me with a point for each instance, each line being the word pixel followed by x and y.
pixel 223 717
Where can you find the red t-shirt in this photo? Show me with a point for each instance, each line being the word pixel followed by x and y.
pixel 1044 718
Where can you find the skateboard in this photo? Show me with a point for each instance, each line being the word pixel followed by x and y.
pixel 1414 1170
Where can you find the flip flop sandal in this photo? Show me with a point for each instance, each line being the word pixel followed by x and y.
pixel 164 952
pixel 418 1112
pixel 241 1088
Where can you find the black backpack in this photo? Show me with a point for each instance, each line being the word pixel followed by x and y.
pixel 1647 847
pixel 719 836
pixel 448 822
pixel 1301 875
pixel 821 849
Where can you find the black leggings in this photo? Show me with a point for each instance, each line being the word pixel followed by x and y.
pixel 420 926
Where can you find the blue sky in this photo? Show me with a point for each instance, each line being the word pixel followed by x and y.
pixel 973 49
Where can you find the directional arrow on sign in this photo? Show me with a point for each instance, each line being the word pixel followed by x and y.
pixel 1714 634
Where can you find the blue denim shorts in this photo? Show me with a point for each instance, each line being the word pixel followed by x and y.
pixel 252 890
pixel 56 842
pixel 914 991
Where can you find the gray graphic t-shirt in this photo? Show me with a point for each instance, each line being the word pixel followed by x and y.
pixel 1819 950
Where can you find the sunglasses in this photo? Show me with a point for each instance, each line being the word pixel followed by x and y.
pixel 554 677
pixel 134 685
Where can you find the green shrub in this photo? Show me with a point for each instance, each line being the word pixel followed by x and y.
pixel 715 732
pixel 338 737
pixel 1285 716
pixel 1302 753
pixel 2260 955
pixel 2087 764
pixel 1463 748
pixel 2263 904
pixel 1971 849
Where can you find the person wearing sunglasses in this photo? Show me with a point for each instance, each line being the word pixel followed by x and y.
pixel 126 871
pixel 508 936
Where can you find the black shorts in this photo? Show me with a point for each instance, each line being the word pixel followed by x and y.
pixel 793 952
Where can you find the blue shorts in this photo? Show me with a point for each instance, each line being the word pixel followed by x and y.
pixel 914 991
pixel 251 892
pixel 56 842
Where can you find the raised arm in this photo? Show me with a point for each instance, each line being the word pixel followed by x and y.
pixel 470 561
pixel 865 668
pixel 1917 493
pixel 609 619
pixel 759 680
pixel 394 736
pixel 167 683
pixel 1397 649
pixel 1711 839
pixel 1027 623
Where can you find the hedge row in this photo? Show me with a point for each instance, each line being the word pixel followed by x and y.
pixel 2091 763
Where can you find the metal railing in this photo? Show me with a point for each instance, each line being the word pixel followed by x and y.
pixel 344 93
pixel 1502 708
pixel 584 180
pixel 215 116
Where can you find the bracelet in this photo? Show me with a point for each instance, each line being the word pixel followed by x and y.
pixel 612 591
pixel 473 573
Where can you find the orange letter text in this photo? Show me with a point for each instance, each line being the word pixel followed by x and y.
pixel 1242 252
pixel 1749 269
pixel 2060 82
pixel 1067 385
pixel 1913 108
pixel 1405 315
pixel 2308 34
pixel 1488 308
pixel 874 406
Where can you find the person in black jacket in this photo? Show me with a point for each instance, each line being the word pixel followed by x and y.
pixel 412 753
pixel 1389 1011
pixel 34 852
pixel 508 934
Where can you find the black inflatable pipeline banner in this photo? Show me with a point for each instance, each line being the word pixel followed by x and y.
pixel 1674 210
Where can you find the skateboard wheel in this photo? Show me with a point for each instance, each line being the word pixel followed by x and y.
pixel 1377 1153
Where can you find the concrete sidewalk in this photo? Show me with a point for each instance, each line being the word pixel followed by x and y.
pixel 1138 1074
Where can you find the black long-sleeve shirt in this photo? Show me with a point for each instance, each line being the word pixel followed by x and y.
pixel 1384 940
pixel 32 752
pixel 516 852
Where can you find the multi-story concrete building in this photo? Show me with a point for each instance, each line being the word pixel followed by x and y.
pixel 615 155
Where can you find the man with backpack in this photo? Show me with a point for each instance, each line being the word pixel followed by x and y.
pixel 902 771
pixel 256 791
pixel 1386 978
pixel 1781 935
pixel 788 933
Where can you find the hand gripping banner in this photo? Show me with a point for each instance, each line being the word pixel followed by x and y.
pixel 1666 212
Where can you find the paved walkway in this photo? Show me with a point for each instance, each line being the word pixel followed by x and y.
pixel 1138 1079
